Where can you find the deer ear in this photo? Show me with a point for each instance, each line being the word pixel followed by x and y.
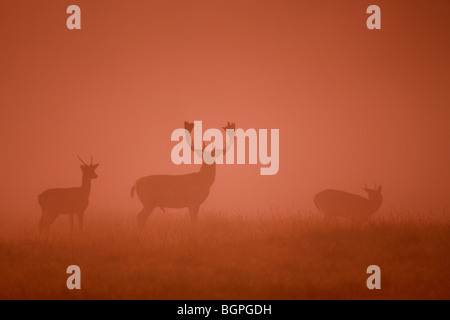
pixel 96 165
pixel 379 189
pixel 81 166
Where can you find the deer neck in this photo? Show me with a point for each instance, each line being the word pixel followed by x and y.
pixel 375 203
pixel 208 172
pixel 86 184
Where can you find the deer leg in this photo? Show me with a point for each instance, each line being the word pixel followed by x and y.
pixel 71 222
pixel 42 222
pixel 45 221
pixel 193 213
pixel 144 214
pixel 49 219
pixel 80 221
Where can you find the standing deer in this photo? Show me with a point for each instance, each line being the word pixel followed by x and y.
pixel 71 201
pixel 177 191
pixel 335 203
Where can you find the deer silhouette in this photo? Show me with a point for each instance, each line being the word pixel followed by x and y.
pixel 177 191
pixel 71 201
pixel 335 203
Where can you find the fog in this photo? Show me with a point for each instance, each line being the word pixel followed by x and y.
pixel 352 105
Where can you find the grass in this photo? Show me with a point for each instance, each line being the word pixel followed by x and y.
pixel 290 255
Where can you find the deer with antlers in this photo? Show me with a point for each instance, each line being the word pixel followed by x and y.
pixel 335 203
pixel 178 191
pixel 71 201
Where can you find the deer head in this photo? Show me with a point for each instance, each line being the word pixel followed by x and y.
pixel 88 169
pixel 374 194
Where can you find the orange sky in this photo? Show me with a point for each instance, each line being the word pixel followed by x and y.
pixel 352 105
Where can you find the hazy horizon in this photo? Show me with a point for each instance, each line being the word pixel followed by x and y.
pixel 352 105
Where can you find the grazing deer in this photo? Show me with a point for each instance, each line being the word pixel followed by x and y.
pixel 335 203
pixel 71 201
pixel 177 191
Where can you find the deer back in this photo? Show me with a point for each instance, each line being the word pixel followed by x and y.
pixel 343 204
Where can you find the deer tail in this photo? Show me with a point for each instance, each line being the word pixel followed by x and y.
pixel 133 190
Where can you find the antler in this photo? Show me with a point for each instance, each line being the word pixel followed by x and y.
pixel 217 153
pixel 189 126
pixel 82 160
pixel 91 160
pixel 367 188
pixel 230 125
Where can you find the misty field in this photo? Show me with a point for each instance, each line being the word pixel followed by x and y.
pixel 282 255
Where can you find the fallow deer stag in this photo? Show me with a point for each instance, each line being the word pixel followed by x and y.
pixel 335 203
pixel 178 191
pixel 71 201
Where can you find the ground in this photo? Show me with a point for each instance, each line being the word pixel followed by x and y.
pixel 284 255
